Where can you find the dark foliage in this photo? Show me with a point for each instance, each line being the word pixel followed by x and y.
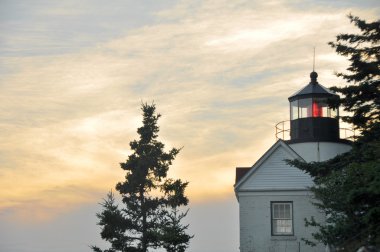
pixel 362 96
pixel 347 187
pixel 150 199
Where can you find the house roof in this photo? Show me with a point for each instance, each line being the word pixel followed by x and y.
pixel 242 174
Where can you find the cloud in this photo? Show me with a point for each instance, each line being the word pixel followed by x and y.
pixel 220 73
pixel 42 27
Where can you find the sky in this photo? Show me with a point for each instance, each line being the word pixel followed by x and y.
pixel 73 75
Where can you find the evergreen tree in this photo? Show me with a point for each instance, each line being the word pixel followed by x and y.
pixel 362 97
pixel 173 235
pixel 347 187
pixel 147 193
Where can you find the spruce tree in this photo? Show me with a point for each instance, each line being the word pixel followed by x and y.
pixel 362 97
pixel 147 195
pixel 173 234
pixel 347 187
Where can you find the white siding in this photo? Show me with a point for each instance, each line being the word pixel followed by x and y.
pixel 271 179
pixel 255 222
pixel 275 174
pixel 319 151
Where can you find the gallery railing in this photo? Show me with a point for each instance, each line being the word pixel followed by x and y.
pixel 283 131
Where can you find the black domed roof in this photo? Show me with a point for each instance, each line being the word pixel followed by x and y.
pixel 313 89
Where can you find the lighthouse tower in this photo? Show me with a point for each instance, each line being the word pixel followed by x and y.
pixel 314 126
pixel 274 197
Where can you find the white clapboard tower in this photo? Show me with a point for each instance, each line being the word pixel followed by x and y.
pixel 274 198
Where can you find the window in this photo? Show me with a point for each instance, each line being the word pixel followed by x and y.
pixel 319 108
pixel 282 218
pixel 304 106
pixel 322 109
pixel 294 110
pixel 311 107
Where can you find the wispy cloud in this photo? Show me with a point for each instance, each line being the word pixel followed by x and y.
pixel 219 71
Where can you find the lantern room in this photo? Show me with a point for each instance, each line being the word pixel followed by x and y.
pixel 311 118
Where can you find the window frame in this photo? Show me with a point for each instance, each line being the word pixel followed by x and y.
pixel 291 217
pixel 296 113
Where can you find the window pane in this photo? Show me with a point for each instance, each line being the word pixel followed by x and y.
pixel 304 108
pixel 275 211
pixel 282 226
pixel 320 107
pixel 282 211
pixel 333 113
pixel 294 110
pixel 287 211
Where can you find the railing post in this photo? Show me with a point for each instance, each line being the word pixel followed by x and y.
pixel 281 130
pixel 275 134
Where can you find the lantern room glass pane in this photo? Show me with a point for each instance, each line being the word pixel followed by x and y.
pixel 322 109
pixel 294 110
pixel 311 107
pixel 333 113
pixel 305 108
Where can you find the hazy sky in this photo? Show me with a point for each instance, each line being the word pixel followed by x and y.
pixel 74 73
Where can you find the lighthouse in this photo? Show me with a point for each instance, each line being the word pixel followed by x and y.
pixel 314 126
pixel 274 197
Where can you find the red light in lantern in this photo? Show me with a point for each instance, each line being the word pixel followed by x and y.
pixel 317 110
